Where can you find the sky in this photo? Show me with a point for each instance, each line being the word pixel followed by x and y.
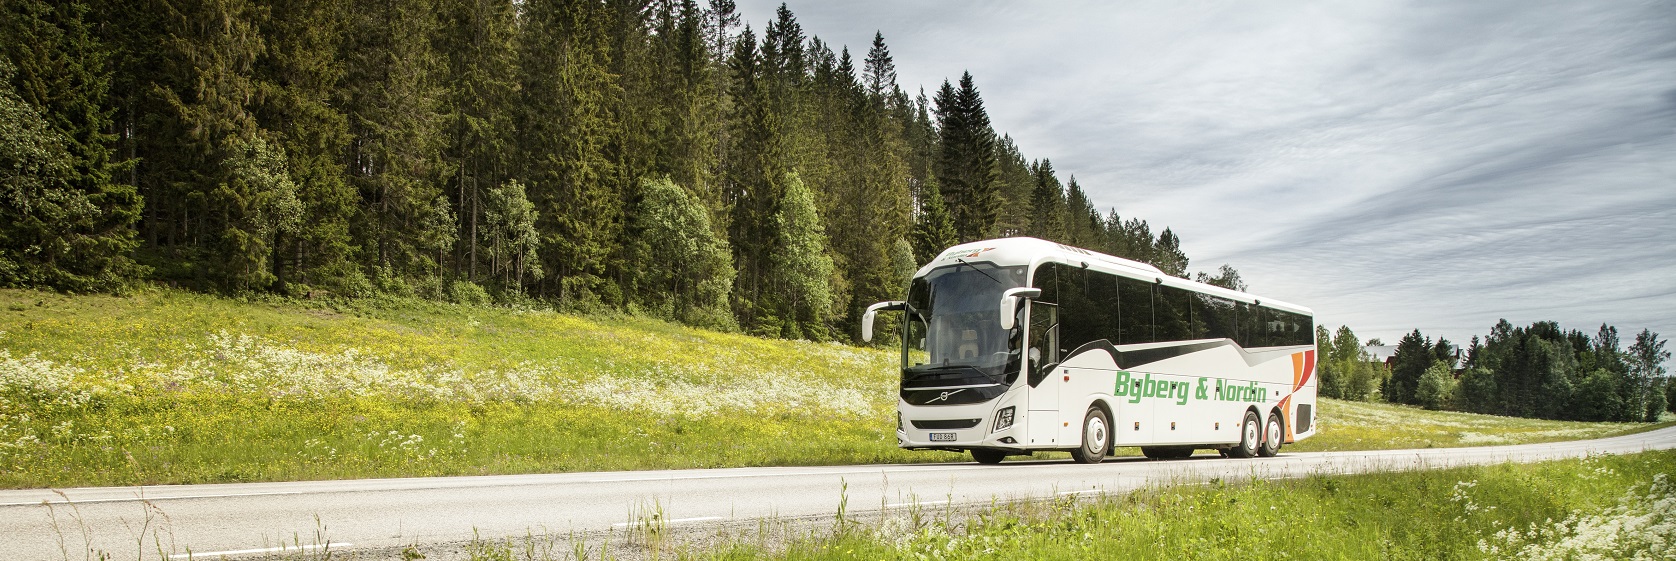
pixel 1392 165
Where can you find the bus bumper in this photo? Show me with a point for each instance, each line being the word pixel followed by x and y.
pixel 940 428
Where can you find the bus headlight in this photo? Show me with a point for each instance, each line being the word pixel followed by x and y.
pixel 898 421
pixel 1003 419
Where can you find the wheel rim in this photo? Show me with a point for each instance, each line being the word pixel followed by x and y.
pixel 1251 434
pixel 1095 433
pixel 1274 432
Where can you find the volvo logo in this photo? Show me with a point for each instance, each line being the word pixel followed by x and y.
pixel 943 397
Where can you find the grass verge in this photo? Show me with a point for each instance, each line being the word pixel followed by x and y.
pixel 1603 507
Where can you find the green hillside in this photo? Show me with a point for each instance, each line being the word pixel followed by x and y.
pixel 167 386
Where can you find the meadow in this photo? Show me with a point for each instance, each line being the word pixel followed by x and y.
pixel 164 386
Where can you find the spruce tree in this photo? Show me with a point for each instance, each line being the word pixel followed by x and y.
pixel 1411 360
pixel 880 73
pixel 60 74
pixel 565 126
pixel 297 74
pixel 395 114
pixel 1047 203
pixel 801 269
pixel 934 230
pixel 478 39
pixel 967 171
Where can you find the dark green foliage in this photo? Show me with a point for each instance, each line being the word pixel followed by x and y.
pixel 1412 358
pixel 68 215
pixel 461 148
pixel 1542 371
pixel 800 268
pixel 934 230
pixel 1646 358
pixel 1047 196
pixel 1670 395
pixel 481 102
pixel 967 170
pixel 686 270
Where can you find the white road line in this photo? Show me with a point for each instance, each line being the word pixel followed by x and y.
pixel 61 501
pixel 862 471
pixel 670 521
pixel 280 549
pixel 1083 492
pixel 918 503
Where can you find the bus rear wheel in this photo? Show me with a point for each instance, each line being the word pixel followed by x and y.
pixel 1248 437
pixel 1272 435
pixel 1096 437
pixel 988 456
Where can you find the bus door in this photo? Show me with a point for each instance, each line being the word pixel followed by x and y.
pixel 1043 355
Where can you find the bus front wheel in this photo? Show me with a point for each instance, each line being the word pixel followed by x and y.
pixel 1096 435
pixel 1249 437
pixel 988 456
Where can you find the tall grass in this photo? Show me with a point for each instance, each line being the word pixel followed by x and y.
pixel 173 387
pixel 1610 507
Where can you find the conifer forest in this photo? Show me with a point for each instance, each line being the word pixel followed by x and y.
pixel 659 157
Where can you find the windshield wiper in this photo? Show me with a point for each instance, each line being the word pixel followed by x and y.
pixel 980 271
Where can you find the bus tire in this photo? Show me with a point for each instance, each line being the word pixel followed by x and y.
pixel 1273 433
pixel 1096 437
pixel 1249 436
pixel 988 456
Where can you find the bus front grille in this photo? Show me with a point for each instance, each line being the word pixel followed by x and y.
pixel 947 424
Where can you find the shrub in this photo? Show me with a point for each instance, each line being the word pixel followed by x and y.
pixel 469 293
pixel 1436 388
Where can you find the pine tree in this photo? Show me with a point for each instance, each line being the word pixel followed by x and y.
pixel 1411 360
pixel 229 179
pixel 756 176
pixel 1014 184
pixel 1167 255
pixel 880 74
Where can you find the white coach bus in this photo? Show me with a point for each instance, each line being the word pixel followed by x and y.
pixel 1016 345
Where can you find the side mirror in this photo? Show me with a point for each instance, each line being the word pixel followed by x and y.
pixel 1009 303
pixel 872 312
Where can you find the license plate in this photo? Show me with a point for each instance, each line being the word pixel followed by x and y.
pixel 942 437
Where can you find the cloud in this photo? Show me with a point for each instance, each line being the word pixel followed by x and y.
pixel 1393 165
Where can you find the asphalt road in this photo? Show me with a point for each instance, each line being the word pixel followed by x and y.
pixel 380 514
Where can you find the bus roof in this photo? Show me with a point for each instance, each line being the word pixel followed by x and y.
pixel 1033 251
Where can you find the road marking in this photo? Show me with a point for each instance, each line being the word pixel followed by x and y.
pixel 863 471
pixel 1084 492
pixel 670 521
pixel 917 503
pixel 59 500
pixel 280 549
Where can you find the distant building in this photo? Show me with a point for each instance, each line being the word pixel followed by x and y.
pixel 1380 353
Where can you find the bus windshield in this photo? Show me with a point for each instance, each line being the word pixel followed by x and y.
pixel 953 321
